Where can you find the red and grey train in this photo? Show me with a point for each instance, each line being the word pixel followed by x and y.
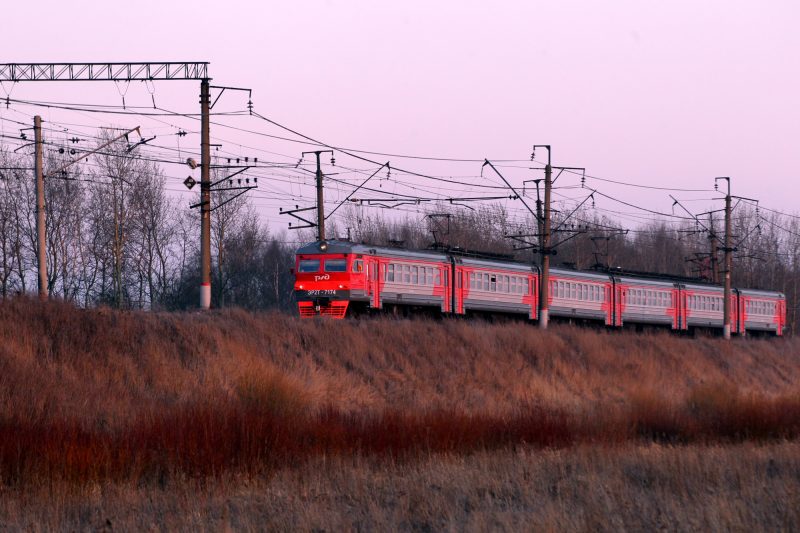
pixel 336 278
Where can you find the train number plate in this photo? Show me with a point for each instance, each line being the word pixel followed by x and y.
pixel 322 292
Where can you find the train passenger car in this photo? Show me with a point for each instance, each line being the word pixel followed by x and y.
pixel 495 286
pixel 410 279
pixel 581 295
pixel 649 301
pixel 703 306
pixel 762 311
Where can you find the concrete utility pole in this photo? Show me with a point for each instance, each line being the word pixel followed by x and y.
pixel 205 195
pixel 320 194
pixel 544 248
pixel 713 238
pixel 726 309
pixel 40 221
pixel 320 203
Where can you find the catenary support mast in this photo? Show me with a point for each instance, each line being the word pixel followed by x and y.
pixel 205 195
pixel 41 250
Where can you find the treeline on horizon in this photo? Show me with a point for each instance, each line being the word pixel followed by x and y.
pixel 117 237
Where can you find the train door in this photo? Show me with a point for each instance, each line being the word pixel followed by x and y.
pixel 675 307
pixel 373 271
pixel 449 296
pixel 618 299
pixel 778 317
pixel 459 291
pixel 735 323
pixel 683 309
pixel 608 303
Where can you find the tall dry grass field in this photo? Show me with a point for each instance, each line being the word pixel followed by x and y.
pixel 105 411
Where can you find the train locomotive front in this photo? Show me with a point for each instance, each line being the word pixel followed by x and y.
pixel 328 277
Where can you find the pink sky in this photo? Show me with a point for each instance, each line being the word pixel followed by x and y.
pixel 656 93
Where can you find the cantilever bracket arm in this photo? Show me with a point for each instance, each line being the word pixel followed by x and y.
pixel 356 189
pixel 309 223
pixel 87 154
pixel 531 211
pixel 229 177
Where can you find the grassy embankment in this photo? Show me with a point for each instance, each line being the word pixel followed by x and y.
pixel 135 403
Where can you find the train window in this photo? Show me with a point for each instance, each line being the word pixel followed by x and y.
pixel 429 276
pixel 493 284
pixel 437 279
pixel 335 265
pixel 585 292
pixel 414 276
pixel 358 265
pixel 390 273
pixel 308 265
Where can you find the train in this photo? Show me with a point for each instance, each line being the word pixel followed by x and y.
pixel 338 278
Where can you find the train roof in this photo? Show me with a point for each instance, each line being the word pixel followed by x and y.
pixel 336 246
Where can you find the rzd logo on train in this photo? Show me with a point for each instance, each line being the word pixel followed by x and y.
pixel 322 278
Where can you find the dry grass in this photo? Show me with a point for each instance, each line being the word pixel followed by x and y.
pixel 633 488
pixel 109 405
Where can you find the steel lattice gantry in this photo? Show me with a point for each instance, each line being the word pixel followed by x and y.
pixel 102 71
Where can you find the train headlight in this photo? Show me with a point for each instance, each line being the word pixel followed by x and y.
pixel 323 246
pixel 341 286
pixel 300 286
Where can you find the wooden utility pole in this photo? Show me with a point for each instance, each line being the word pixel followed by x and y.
pixel 205 195
pixel 40 220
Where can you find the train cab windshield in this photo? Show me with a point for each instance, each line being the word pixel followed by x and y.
pixel 335 265
pixel 308 265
